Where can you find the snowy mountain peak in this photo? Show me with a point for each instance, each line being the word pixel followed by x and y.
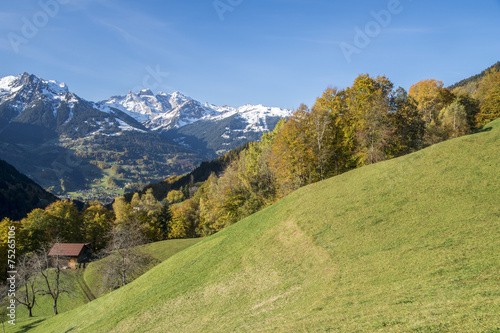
pixel 30 84
pixel 6 82
pixel 163 111
pixel 145 92
pixel 54 87
pixel 179 95
pixel 57 87
pixel 25 89
pixel 29 99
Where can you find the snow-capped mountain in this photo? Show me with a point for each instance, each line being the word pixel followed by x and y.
pixel 29 103
pixel 20 93
pixel 10 85
pixel 65 142
pixel 29 100
pixel 164 112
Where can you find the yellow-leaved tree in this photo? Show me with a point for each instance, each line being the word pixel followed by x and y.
pixel 488 94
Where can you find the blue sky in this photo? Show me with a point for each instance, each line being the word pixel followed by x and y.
pixel 272 52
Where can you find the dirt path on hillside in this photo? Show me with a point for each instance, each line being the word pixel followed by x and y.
pixel 83 285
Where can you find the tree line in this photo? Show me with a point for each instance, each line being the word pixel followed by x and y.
pixel 112 238
pixel 366 123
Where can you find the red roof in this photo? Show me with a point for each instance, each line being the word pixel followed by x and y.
pixel 66 249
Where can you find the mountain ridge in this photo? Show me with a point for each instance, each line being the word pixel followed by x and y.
pixel 157 112
pixel 474 79
pixel 163 111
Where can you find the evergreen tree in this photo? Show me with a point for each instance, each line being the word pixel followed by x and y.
pixel 164 220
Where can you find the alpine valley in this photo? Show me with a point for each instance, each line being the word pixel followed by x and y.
pixel 95 150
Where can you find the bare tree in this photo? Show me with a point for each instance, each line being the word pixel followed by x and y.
pixel 28 282
pixel 50 269
pixel 125 260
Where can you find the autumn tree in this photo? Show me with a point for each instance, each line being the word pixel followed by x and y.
pixel 210 206
pixel 488 94
pixel 122 210
pixel 339 141
pixel 185 220
pixel 368 103
pixel 430 98
pixel 293 162
pixel 175 196
pixel 407 124
pixel 255 178
pixel 179 225
pixel 233 195
pixel 145 210
pixel 38 226
pixel 454 120
pixel 97 223
pixel 320 122
pixel 64 222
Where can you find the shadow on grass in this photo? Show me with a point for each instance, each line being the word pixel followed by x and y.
pixel 28 327
pixel 482 130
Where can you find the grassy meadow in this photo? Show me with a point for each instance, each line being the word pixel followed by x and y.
pixel 84 285
pixel 407 245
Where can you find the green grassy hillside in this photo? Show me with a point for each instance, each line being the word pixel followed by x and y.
pixel 85 284
pixel 160 251
pixel 407 245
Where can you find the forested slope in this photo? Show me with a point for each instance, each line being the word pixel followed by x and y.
pixel 19 195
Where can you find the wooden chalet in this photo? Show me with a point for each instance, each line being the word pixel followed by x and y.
pixel 71 254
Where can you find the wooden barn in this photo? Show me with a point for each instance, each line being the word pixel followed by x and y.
pixel 71 254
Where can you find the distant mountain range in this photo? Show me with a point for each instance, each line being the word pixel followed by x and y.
pixel 194 124
pixel 67 143
pixel 163 112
